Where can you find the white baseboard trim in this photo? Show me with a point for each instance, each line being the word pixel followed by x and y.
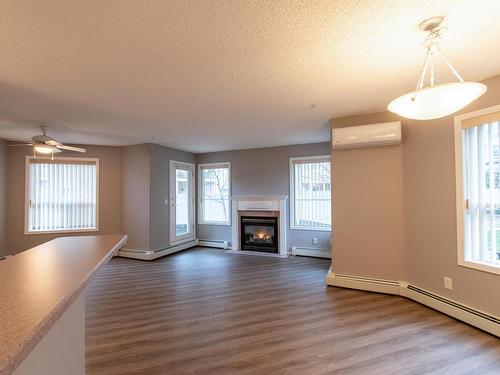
pixel 311 252
pixel 480 319
pixel 218 244
pixel 154 254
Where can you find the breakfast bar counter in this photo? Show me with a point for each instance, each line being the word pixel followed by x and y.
pixel 42 325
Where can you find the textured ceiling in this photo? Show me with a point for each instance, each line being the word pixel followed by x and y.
pixel 218 75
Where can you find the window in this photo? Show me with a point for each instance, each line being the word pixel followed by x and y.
pixel 310 193
pixel 61 195
pixel 214 191
pixel 478 192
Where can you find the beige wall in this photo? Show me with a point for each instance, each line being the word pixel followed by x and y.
pixel 368 208
pixel 136 195
pixel 3 178
pixel 429 218
pixel 110 193
pixel 132 197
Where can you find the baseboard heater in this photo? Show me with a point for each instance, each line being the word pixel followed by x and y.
pixel 311 252
pixel 480 319
pixel 219 244
pixel 457 310
pixel 155 254
pixel 369 284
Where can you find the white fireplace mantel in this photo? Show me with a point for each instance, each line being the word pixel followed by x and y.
pixel 260 203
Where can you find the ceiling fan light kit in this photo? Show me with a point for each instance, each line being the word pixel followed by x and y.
pixel 436 101
pixel 45 145
pixel 45 150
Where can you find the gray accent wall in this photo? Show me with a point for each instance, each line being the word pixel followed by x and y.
pixel 146 182
pixel 160 190
pixel 265 172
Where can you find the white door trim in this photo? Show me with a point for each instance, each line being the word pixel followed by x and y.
pixel 191 235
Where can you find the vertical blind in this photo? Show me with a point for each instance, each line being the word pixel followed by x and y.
pixel 62 195
pixel 481 185
pixel 214 197
pixel 311 193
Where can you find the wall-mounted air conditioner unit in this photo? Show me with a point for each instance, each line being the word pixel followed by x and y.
pixel 373 135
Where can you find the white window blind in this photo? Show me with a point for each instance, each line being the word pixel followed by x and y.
pixel 310 193
pixel 481 187
pixel 62 195
pixel 214 180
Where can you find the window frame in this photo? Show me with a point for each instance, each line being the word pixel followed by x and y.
pixel 318 158
pixel 26 194
pixel 224 164
pixel 460 203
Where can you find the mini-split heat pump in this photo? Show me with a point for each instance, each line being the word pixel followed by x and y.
pixel 373 135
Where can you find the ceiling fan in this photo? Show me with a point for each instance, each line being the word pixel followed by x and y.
pixel 46 145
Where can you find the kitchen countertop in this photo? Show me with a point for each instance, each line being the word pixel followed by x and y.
pixel 39 284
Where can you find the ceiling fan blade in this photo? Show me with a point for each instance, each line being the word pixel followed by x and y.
pixel 71 148
pixel 19 144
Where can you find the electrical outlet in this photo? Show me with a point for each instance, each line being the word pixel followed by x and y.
pixel 448 283
pixel 315 240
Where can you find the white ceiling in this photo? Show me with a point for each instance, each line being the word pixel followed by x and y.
pixel 218 75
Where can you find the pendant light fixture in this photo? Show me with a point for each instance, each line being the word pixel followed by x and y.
pixel 435 101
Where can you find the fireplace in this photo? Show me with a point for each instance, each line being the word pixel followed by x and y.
pixel 259 226
pixel 259 233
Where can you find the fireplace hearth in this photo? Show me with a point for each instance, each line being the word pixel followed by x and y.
pixel 259 233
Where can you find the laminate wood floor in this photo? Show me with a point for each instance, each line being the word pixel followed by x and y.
pixel 203 311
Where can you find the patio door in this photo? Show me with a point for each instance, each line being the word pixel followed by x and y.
pixel 181 202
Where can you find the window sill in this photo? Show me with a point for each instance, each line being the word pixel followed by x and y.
pixel 480 266
pixel 293 227
pixel 214 223
pixel 29 233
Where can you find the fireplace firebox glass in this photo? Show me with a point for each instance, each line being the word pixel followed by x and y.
pixel 259 234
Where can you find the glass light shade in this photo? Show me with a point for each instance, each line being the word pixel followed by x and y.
pixel 44 149
pixel 436 101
